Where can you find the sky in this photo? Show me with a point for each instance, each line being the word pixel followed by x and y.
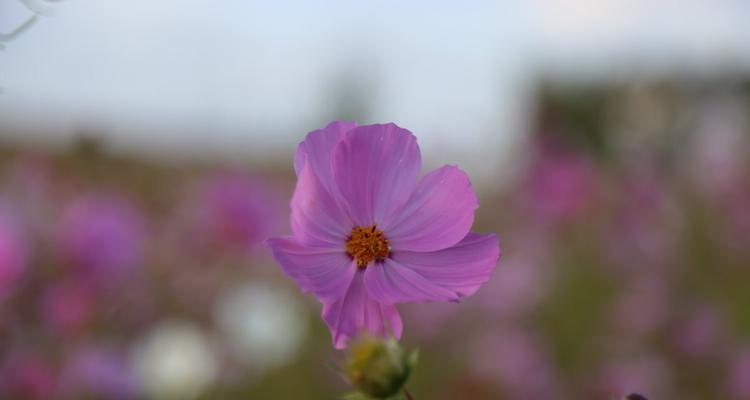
pixel 246 79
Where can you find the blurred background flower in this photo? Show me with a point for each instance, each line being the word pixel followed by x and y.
pixel 99 372
pixel 13 252
pixel 231 212
pixel 175 361
pixel 101 238
pixel 264 325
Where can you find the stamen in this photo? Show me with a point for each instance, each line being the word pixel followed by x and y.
pixel 367 244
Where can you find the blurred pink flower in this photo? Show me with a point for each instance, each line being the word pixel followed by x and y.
pixel 67 306
pixel 102 236
pixel 733 228
pixel 641 307
pixel 738 378
pixel 523 282
pixel 367 234
pixel 701 333
pixel 231 210
pixel 27 376
pixel 558 185
pixel 431 321
pixel 98 372
pixel 13 252
pixel 644 232
pixel 517 362
pixel 648 375
pixel 34 185
pixel 717 149
pixel 514 292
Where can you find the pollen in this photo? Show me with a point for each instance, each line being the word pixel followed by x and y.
pixel 367 244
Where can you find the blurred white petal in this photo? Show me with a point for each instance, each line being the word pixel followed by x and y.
pixel 264 324
pixel 175 361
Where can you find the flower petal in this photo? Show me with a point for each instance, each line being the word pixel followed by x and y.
pixel 317 219
pixel 317 150
pixel 356 312
pixel 389 282
pixel 325 272
pixel 461 269
pixel 376 168
pixel 438 214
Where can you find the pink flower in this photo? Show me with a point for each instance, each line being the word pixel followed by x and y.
pixel 648 374
pixel 641 307
pixel 14 252
pixel 646 222
pixel 98 372
pixel 367 233
pixel 559 185
pixel 27 376
pixel 701 333
pixel 231 211
pixel 103 236
pixel 517 361
pixel 714 158
pixel 738 380
pixel 525 281
pixel 67 306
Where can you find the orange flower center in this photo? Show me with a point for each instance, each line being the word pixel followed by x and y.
pixel 366 245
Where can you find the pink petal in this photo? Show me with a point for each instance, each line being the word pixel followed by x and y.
pixel 376 168
pixel 356 312
pixel 462 269
pixel 389 282
pixel 438 214
pixel 317 219
pixel 317 150
pixel 325 272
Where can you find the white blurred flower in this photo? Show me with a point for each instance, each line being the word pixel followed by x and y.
pixel 264 325
pixel 175 361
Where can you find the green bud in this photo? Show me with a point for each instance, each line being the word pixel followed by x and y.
pixel 379 368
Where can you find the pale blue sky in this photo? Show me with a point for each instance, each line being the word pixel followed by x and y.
pixel 243 78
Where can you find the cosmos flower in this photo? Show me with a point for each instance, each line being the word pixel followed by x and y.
pixel 67 306
pixel 715 153
pixel 265 326
pixel 231 211
pixel 701 334
pixel 559 185
pixel 14 252
pixel 26 375
pixel 176 361
pixel 645 226
pixel 648 374
pixel 368 234
pixel 526 280
pixel 641 307
pixel 516 360
pixel 100 372
pixel 103 236
pixel 738 379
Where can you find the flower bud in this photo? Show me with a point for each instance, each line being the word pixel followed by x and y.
pixel 379 368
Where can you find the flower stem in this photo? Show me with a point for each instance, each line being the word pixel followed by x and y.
pixel 407 394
